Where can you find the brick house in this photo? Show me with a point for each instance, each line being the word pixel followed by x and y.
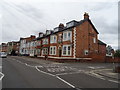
pixel 77 40
pixel 3 47
pixel 25 45
pixel 13 46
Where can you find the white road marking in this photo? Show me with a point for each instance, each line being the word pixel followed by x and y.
pixel 97 75
pixel 1 76
pixel 40 66
pixel 90 73
pixel 44 72
pixel 102 78
pixel 96 67
pixel 68 73
pixel 114 81
pixel 29 65
pixel 56 77
pixel 65 81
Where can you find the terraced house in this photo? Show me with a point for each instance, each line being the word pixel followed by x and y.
pixel 78 40
pixel 25 45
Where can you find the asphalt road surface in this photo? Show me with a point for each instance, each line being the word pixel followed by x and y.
pixel 1 74
pixel 24 72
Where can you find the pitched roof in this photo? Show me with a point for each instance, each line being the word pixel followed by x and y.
pixel 101 43
pixel 65 28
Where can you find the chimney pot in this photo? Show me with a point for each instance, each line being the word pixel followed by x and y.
pixel 86 15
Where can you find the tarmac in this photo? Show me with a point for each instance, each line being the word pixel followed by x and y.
pixel 108 73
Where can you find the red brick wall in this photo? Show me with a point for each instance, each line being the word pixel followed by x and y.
pixel 84 39
pixel 110 59
pixel 102 49
pixel 4 49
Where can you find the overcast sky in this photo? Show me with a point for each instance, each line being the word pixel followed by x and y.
pixel 22 18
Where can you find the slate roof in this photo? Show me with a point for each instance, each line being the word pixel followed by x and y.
pixel 65 28
pixel 101 43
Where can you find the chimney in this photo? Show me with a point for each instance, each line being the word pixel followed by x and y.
pixel 86 15
pixel 61 25
pixel 32 36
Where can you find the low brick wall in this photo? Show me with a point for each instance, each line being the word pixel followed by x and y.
pixel 110 59
pixel 95 58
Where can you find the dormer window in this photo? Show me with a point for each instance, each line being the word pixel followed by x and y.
pixel 71 23
pixel 41 34
pixel 48 32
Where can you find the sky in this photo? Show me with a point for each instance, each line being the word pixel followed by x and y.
pixel 22 18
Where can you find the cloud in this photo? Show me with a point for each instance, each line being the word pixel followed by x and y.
pixel 21 18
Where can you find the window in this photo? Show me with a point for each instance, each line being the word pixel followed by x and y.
pixel 52 50
pixel 94 40
pixel 41 35
pixel 69 50
pixel 64 36
pixel 53 39
pixel 45 41
pixel 71 23
pixel 38 43
pixel 45 51
pixel 38 51
pixel 66 50
pixel 60 38
pixel 86 52
pixel 67 36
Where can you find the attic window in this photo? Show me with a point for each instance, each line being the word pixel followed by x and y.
pixel 41 35
pixel 70 24
pixel 48 32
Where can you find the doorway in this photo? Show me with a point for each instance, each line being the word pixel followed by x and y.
pixel 60 51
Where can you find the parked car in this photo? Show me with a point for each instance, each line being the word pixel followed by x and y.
pixel 3 54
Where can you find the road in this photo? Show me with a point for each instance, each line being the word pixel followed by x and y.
pixel 1 74
pixel 24 72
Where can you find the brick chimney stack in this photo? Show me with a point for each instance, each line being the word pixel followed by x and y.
pixel 86 15
pixel 61 25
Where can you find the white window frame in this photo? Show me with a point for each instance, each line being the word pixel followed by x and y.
pixel 67 38
pixel 38 51
pixel 94 40
pixel 45 51
pixel 53 52
pixel 66 50
pixel 45 41
pixel 53 39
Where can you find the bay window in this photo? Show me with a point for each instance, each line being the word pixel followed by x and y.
pixel 66 50
pixel 52 50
